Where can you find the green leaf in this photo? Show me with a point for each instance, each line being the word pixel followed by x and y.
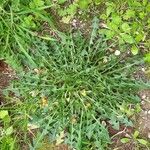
pixel 103 17
pixel 129 112
pixel 147 57
pixel 142 141
pixel 129 13
pixel 148 7
pixel 72 9
pixel 109 10
pixel 139 37
pixel 114 122
pixel 3 114
pixel 127 38
pixel 97 2
pixel 83 4
pixel 136 134
pixel 116 19
pixel 28 22
pixel 24 50
pixel 136 4
pixel 138 108
pixel 145 2
pixel 9 131
pixel 61 1
pixel 66 19
pixel 36 3
pixel 125 140
pixel 135 26
pixel 109 34
pixel 112 26
pixel 125 27
pixel 121 41
pixel 142 15
pixel 134 50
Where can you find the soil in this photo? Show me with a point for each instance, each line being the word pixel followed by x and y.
pixel 143 118
pixel 6 75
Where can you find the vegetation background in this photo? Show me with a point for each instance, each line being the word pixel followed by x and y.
pixel 73 66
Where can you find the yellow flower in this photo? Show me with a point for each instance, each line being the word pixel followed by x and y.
pixel 44 102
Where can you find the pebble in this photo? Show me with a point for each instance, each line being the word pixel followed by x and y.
pixel 149 135
pixel 148 112
pixel 117 53
pixel 143 96
pixel 145 112
pixel 142 102
pixel 143 69
pixel 74 20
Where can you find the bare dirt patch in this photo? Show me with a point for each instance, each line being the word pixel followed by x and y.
pixel 143 118
pixel 6 75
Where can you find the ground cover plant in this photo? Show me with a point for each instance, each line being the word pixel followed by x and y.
pixel 77 86
pixel 129 23
pixel 70 88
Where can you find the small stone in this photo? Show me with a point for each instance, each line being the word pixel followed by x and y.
pixel 143 69
pixel 74 20
pixel 143 96
pixel 117 53
pixel 142 102
pixel 37 71
pixel 148 112
pixel 128 52
pixel 74 24
pixel 145 112
pixel 104 123
pixel 149 135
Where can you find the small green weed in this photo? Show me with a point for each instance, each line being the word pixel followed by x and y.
pixel 136 140
pixel 6 131
pixel 128 23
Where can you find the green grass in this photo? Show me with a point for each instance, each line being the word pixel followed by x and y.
pixel 72 91
pixel 19 22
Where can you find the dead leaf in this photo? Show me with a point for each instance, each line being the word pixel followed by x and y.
pixel 60 138
pixel 32 126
